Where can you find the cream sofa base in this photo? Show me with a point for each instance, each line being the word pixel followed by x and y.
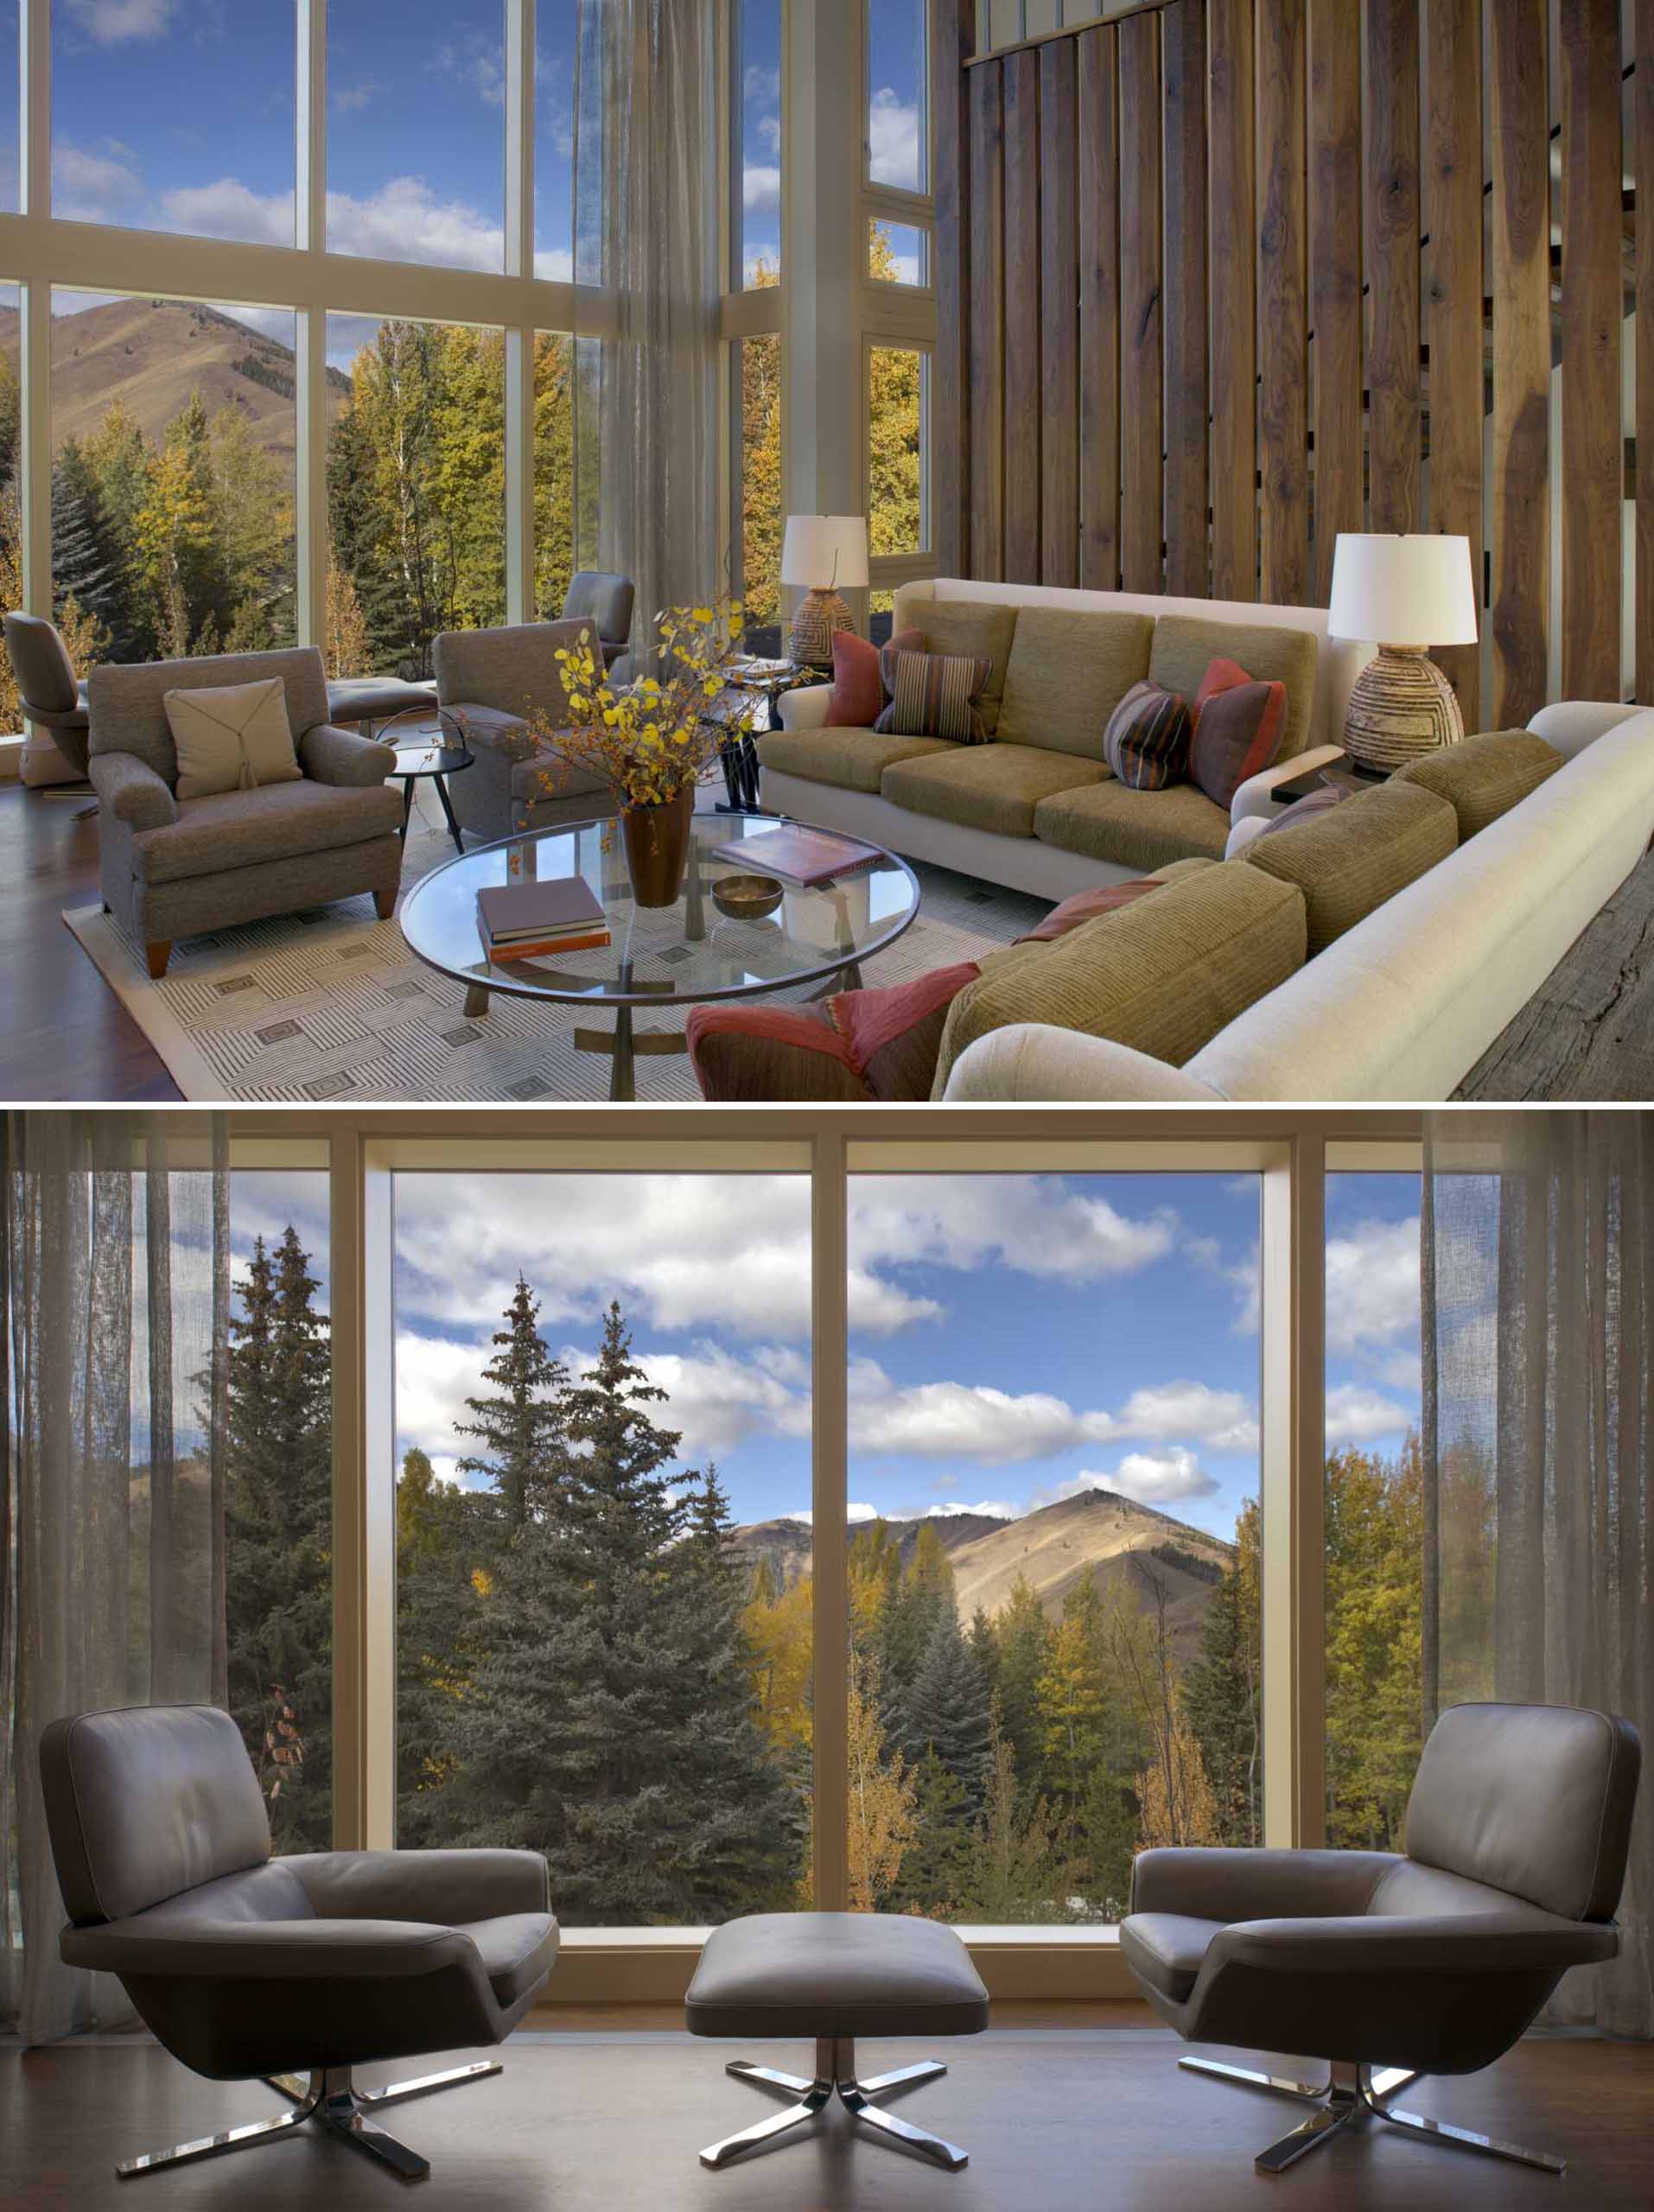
pixel 1020 863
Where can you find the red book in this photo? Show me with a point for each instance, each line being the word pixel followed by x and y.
pixel 797 855
pixel 515 951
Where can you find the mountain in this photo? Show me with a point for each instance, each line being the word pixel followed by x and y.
pixel 153 354
pixel 786 1543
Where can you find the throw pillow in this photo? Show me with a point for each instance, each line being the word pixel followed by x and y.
pixel 857 697
pixel 1086 906
pixel 1146 742
pixel 232 737
pixel 1238 726
pixel 879 1045
pixel 933 695
pixel 1305 809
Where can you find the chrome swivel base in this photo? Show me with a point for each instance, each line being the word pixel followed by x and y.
pixel 331 2099
pixel 836 2076
pixel 1351 2097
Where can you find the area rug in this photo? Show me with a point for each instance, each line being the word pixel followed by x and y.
pixel 331 1005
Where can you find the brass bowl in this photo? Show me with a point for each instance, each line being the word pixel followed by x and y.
pixel 747 897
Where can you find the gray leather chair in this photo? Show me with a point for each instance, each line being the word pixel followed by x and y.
pixel 172 867
pixel 247 1965
pixel 1390 1967
pixel 605 601
pixel 47 691
pixel 488 683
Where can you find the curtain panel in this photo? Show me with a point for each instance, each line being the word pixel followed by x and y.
pixel 116 1293
pixel 1537 1262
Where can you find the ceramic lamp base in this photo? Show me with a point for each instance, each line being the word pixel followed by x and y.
pixel 1402 706
pixel 819 614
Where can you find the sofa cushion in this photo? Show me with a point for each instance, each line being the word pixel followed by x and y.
pixel 1238 725
pixel 232 830
pixel 1163 975
pixel 1068 671
pixel 1186 646
pixel 932 694
pixel 1484 777
pixel 854 759
pixel 1146 742
pixel 1107 899
pixel 974 626
pixel 1140 830
pixel 1349 862
pixel 988 786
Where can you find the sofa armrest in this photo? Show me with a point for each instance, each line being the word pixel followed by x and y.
pixel 132 791
pixel 1253 796
pixel 806 708
pixel 330 756
pixel 1036 1060
pixel 267 1950
pixel 1426 1944
pixel 1570 725
pixel 422 1886
pixel 1256 1884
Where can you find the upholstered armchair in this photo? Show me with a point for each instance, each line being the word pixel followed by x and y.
pixel 293 1970
pixel 597 596
pixel 172 867
pixel 51 696
pixel 488 683
pixel 1389 1966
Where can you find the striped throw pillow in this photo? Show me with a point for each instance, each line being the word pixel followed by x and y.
pixel 1146 742
pixel 933 695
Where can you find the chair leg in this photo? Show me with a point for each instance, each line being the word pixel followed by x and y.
pixel 340 2113
pixel 229 2138
pixel 836 2076
pixel 158 954
pixel 1280 2085
pixel 1309 2134
pixel 384 904
pixel 425 2085
pixel 1462 2138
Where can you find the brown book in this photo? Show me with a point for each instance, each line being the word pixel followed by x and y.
pixel 797 855
pixel 540 949
pixel 516 912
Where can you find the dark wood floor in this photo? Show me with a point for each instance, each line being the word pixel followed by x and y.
pixel 1054 2120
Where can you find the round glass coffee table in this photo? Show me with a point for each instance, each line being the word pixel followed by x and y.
pixel 681 955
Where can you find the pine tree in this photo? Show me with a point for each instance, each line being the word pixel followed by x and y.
pixel 85 561
pixel 279 1513
pixel 945 1713
pixel 444 1537
pixel 1023 1637
pixel 521 1423
pixel 1220 1699
pixel 924 1595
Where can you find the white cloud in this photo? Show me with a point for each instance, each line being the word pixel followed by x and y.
pixel 999 1509
pixel 229 209
pixel 93 186
pixel 350 100
pixel 1222 1418
pixel 1373 1286
pixel 892 140
pixel 1159 1477
pixel 991 1427
pixel 1356 1415
pixel 404 220
pixel 114 22
pixel 760 189
pixel 1031 1222
pixel 555 265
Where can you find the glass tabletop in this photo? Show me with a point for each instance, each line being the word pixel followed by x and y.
pixel 689 952
pixel 433 760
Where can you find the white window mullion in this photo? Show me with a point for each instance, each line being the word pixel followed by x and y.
pixel 36 301
pixel 519 343
pixel 310 335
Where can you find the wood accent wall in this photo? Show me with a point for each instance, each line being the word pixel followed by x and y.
pixel 1230 277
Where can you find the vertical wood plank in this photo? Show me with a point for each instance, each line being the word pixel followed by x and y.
pixel 1518 90
pixel 1058 318
pixel 1229 31
pixel 1391 198
pixel 1335 279
pixel 1453 150
pixel 1098 154
pixel 955 43
pixel 987 321
pixel 1644 111
pixel 1140 373
pixel 1184 62
pixel 1021 126
pixel 1593 468
pixel 1282 411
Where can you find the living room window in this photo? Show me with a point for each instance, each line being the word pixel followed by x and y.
pixel 557 533
pixel 756 565
pixel 756 170
pixel 898 147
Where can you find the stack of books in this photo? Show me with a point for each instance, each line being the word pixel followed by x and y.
pixel 807 857
pixel 521 921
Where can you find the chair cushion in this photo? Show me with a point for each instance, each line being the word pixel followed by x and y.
pixel 1348 862
pixel 1186 646
pixel 376 698
pixel 976 626
pixel 232 830
pixel 1068 671
pixel 492 727
pixel 932 694
pixel 518 1950
pixel 993 787
pixel 835 1974
pixel 1140 830
pixel 1167 1949
pixel 854 759
pixel 1484 777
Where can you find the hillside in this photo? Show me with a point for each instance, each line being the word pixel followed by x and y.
pixel 785 1544
pixel 152 354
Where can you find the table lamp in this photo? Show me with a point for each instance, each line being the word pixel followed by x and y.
pixel 1385 590
pixel 819 553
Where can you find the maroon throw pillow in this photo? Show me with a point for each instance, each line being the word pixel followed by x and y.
pixel 1146 742
pixel 1238 725
pixel 857 697
pixel 1086 906
pixel 1304 808
pixel 879 1045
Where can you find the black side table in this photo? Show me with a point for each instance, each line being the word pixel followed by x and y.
pixel 438 762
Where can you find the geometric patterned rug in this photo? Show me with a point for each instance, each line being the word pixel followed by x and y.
pixel 331 1005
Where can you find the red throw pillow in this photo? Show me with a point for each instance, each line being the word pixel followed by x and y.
pixel 1238 725
pixel 857 698
pixel 860 1045
pixel 1086 906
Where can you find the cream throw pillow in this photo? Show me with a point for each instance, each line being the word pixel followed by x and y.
pixel 232 737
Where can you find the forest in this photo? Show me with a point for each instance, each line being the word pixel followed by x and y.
pixel 588 1666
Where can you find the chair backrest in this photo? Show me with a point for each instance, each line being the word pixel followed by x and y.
pixel 513 669
pixel 603 598
pixel 146 1801
pixel 128 706
pixel 40 661
pixel 1534 1799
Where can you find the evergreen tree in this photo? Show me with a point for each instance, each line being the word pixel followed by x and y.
pixel 922 1596
pixel 521 1422
pixel 936 1866
pixel 1221 1702
pixel 279 1513
pixel 945 1713
pixel 1023 1635
pixel 85 559
pixel 444 1538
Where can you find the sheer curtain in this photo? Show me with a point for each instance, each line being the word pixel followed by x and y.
pixel 117 1283
pixel 645 230
pixel 1538 1311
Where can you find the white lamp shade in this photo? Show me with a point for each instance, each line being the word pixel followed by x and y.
pixel 1403 591
pixel 825 552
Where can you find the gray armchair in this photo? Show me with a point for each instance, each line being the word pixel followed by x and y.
pixel 605 600
pixel 172 867
pixel 246 1966
pixel 1391 1967
pixel 489 682
pixel 47 691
